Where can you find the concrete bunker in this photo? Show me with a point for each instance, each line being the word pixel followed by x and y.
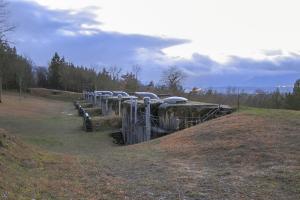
pixel 107 106
pixel 144 116
pixel 152 118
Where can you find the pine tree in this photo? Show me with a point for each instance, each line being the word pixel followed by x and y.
pixel 293 99
pixel 54 72
pixel 297 87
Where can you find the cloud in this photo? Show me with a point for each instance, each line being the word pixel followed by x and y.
pixel 280 65
pixel 238 71
pixel 40 32
pixel 275 52
pixel 78 36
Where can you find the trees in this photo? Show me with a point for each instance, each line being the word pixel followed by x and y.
pixel 114 72
pixel 15 70
pixel 66 75
pixel 41 77
pixel 293 99
pixel 3 58
pixel 129 82
pixel 296 89
pixel 112 78
pixel 136 69
pixel 150 86
pixel 55 71
pixel 105 79
pixel 173 78
pixel 4 29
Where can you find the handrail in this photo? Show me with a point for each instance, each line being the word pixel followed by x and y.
pixel 211 113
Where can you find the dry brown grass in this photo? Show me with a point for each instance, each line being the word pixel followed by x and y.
pixel 55 94
pixel 234 127
pixel 254 154
pixel 28 172
pixel 240 156
pixel 28 106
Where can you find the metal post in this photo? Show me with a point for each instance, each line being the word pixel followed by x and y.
pixel 177 123
pixel 106 104
pixel 135 111
pixel 95 98
pixel 120 99
pixel 100 101
pixel 147 118
pixel 132 130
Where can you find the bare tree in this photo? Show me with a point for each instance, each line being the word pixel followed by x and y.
pixel 173 78
pixel 114 72
pixel 5 27
pixel 136 69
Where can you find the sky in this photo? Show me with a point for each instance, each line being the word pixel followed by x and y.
pixel 215 43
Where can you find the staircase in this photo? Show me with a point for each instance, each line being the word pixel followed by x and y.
pixel 211 114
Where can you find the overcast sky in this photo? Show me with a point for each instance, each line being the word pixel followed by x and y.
pixel 216 43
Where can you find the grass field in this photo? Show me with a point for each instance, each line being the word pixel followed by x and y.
pixel 44 154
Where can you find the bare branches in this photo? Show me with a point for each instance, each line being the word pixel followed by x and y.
pixel 173 78
pixel 114 72
pixel 136 69
pixel 5 27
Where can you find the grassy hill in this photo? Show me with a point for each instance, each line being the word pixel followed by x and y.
pixel 44 154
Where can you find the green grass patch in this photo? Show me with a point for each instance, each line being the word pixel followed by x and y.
pixel 61 133
pixel 272 113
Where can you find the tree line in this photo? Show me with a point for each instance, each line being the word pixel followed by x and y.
pixel 261 99
pixel 15 70
pixel 18 72
pixel 64 75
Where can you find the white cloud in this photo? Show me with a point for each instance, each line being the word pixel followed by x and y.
pixel 229 44
pixel 216 28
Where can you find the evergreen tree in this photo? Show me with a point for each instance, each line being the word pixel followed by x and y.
pixel 293 99
pixel 297 87
pixel 55 72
